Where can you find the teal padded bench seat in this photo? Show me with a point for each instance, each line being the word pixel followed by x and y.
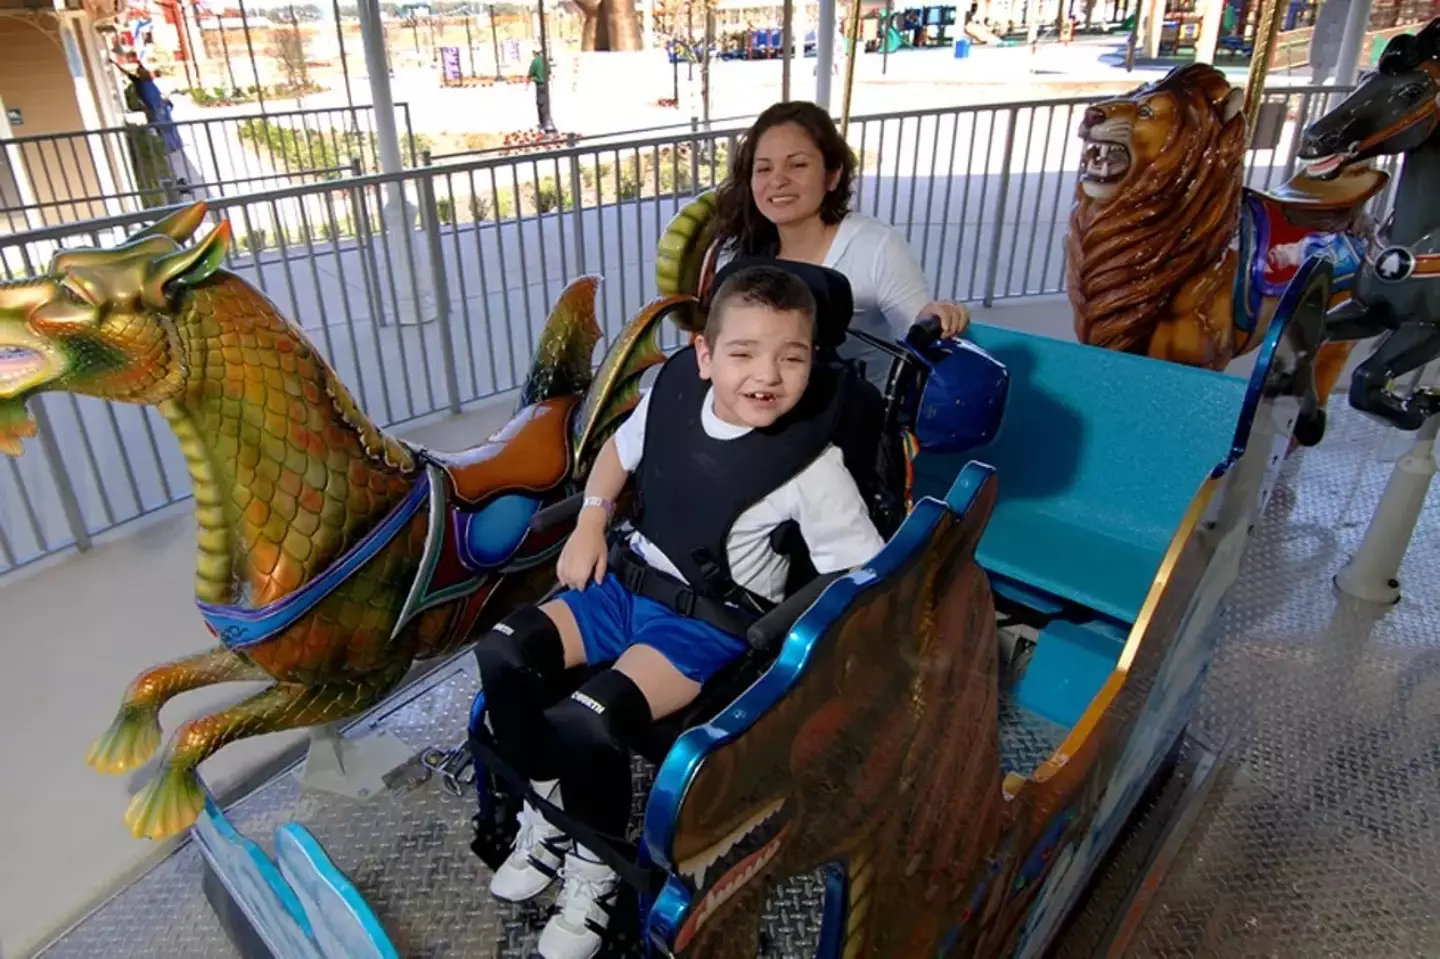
pixel 1097 458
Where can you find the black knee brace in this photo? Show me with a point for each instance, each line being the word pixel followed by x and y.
pixel 522 665
pixel 592 729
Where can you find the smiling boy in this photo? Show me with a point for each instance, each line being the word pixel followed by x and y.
pixel 731 441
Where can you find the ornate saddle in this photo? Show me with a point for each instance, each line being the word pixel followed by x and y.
pixel 1352 188
pixel 531 453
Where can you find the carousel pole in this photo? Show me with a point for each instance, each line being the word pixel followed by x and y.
pixel 1267 31
pixel 854 39
pixel 787 41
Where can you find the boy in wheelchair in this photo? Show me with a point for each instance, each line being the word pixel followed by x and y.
pixel 731 442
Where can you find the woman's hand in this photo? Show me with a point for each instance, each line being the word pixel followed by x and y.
pixel 953 317
pixel 585 553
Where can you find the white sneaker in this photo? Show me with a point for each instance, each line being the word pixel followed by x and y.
pixel 577 929
pixel 535 858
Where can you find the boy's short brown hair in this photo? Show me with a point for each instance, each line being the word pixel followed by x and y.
pixel 767 286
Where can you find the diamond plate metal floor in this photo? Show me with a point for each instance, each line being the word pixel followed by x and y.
pixel 1323 839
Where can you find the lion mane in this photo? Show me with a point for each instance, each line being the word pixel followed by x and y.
pixel 1158 246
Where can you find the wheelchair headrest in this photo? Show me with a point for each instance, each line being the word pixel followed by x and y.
pixel 834 303
pixel 963 399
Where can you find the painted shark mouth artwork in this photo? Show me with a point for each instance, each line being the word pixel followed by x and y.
pixel 19 365
pixel 738 859
pixel 1104 161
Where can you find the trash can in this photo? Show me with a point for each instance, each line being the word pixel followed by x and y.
pixel 962 48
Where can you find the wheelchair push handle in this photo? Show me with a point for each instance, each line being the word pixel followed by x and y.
pixel 925 333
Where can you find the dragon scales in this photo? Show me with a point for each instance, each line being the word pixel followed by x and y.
pixel 330 554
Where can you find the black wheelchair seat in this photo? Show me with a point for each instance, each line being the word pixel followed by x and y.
pixel 869 434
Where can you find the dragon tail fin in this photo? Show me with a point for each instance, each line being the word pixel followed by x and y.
pixel 615 390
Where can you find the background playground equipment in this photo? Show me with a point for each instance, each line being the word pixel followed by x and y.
pixel 886 31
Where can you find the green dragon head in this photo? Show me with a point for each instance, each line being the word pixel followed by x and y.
pixel 102 322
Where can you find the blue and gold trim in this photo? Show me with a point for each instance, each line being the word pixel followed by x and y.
pixel 240 628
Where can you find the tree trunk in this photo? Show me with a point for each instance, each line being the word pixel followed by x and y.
pixel 624 22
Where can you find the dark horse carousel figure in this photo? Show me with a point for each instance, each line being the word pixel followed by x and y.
pixel 1395 111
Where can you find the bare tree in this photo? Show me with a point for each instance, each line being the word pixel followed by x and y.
pixel 288 48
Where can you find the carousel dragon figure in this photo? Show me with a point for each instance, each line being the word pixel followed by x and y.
pixel 1395 111
pixel 330 554
pixel 1170 256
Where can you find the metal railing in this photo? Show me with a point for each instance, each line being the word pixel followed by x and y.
pixel 427 289
pixel 56 178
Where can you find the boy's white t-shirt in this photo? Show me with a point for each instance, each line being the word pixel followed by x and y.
pixel 886 281
pixel 822 498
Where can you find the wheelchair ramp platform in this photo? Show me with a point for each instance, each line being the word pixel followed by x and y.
pixel 1320 835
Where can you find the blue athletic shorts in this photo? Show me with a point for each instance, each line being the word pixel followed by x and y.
pixel 612 619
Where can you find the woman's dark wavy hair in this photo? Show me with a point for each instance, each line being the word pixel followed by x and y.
pixel 740 227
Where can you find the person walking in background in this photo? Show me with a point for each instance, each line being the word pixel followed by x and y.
pixel 156 105
pixel 540 76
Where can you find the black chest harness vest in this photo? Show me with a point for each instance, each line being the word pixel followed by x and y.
pixel 692 488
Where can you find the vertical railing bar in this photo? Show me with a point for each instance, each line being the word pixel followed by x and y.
pixel 37 530
pixel 370 278
pixel 399 315
pixel 1006 162
pixel 64 488
pixel 914 183
pixel 147 421
pixel 1019 203
pixel 984 192
pixel 464 287
pixel 79 168
pixel 484 282
pixel 930 205
pixel 216 176
pixel 87 443
pixel 1039 197
pixel 620 234
pixel 289 274
pixel 600 230
pixel 430 218
pixel 540 235
pixel 895 187
pixel 257 251
pixel 577 190
pixel 860 163
pixel 70 194
pixel 1055 212
pixel 54 195
pixel 879 171
pixel 562 191
pixel 945 219
pixel 524 260
pixel 659 226
pixel 6 552
pixel 417 297
pixel 504 273
pixel 353 333
pixel 320 299
pixel 640 230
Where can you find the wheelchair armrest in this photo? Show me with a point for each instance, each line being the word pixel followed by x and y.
pixel 769 630
pixel 556 513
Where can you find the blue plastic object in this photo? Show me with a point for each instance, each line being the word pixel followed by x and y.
pixel 961 404
pixel 1098 456
pixel 1070 663
pixel 962 48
